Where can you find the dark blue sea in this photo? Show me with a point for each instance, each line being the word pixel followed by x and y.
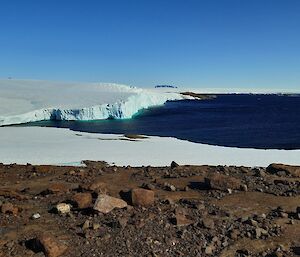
pixel 237 120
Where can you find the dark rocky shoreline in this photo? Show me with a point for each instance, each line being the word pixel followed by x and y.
pixel 102 210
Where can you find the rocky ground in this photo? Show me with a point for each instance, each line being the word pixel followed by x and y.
pixel 102 210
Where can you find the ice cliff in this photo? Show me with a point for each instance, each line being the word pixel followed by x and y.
pixel 23 101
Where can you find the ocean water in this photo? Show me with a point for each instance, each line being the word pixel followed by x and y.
pixel 242 120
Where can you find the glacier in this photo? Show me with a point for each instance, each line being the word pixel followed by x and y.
pixel 23 101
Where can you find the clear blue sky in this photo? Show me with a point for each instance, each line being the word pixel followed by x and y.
pixel 195 43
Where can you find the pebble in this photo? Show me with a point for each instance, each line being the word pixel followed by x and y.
pixel 229 191
pixel 208 223
pixel 244 187
pixel 283 215
pixel 234 234
pixel 181 220
pixel 86 225
pixel 35 216
pixel 170 187
pixel 96 226
pixel 209 250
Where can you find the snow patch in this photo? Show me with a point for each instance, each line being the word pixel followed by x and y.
pixel 65 147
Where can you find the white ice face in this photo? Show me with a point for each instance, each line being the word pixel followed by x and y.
pixel 24 101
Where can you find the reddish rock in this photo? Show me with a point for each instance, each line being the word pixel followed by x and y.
pixel 234 234
pixel 282 169
pixel 222 182
pixel 57 188
pixel 98 187
pixel 181 218
pixel 51 246
pixel 142 197
pixel 208 223
pixel 9 193
pixel 83 200
pixel 8 208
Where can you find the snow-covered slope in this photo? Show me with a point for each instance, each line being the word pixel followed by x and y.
pixel 62 146
pixel 24 101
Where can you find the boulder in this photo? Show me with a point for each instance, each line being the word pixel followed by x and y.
pixel 181 220
pixel 106 204
pixel 174 165
pixel 51 246
pixel 142 197
pixel 282 169
pixel 222 182
pixel 98 187
pixel 82 200
pixel 58 188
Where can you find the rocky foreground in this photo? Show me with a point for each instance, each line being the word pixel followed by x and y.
pixel 102 210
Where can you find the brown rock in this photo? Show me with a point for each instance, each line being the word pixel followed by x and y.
pixel 9 193
pixel 234 234
pixel 8 208
pixel 51 246
pixel 222 182
pixel 98 187
pixel 58 188
pixel 96 226
pixel 83 200
pixel 181 210
pixel 106 204
pixel 281 169
pixel 122 222
pixel 208 223
pixel 283 214
pixel 209 250
pixel 181 220
pixel 142 197
pixel 86 225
